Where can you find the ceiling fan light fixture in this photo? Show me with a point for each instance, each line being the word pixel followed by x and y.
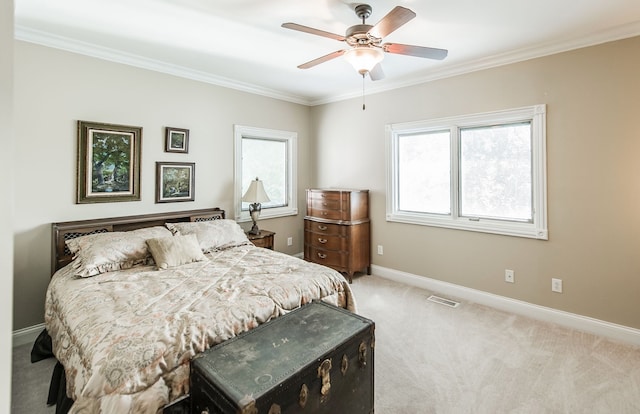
pixel 363 59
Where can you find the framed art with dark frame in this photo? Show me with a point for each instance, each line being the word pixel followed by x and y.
pixel 175 181
pixel 176 140
pixel 108 164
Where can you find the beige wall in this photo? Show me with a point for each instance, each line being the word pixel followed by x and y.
pixel 593 150
pixel 593 174
pixel 54 89
pixel 6 202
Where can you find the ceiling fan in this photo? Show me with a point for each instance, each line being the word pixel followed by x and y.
pixel 367 49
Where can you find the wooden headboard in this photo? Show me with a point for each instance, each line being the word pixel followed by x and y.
pixel 61 232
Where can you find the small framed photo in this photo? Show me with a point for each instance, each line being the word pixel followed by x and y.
pixel 175 181
pixel 108 165
pixel 176 140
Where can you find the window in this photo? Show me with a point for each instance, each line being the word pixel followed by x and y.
pixel 269 155
pixel 483 172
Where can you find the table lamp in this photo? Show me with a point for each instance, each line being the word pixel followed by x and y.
pixel 255 195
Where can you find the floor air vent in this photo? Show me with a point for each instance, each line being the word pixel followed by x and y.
pixel 443 301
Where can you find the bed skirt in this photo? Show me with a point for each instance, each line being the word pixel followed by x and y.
pixel 57 396
pixel 42 349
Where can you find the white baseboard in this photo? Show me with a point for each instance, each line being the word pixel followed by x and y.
pixel 567 319
pixel 27 335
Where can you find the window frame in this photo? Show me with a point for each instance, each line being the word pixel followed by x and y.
pixel 536 229
pixel 291 138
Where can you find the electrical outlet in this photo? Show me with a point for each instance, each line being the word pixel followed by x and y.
pixel 509 276
pixel 556 285
pixel 380 250
pixel 289 241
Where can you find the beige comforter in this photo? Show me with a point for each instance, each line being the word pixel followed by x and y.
pixel 126 337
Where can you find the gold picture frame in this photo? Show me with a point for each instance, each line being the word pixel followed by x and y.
pixel 175 181
pixel 176 140
pixel 108 164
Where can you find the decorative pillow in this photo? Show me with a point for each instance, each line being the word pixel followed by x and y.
pixel 175 250
pixel 212 235
pixel 105 252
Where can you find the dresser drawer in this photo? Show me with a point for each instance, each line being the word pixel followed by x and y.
pixel 331 258
pixel 328 229
pixel 325 214
pixel 328 195
pixel 324 241
pixel 329 205
pixel 325 204
pixel 338 205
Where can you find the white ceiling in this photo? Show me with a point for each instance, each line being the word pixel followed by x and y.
pixel 240 43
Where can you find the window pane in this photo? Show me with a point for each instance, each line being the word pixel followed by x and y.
pixel 424 172
pixel 495 172
pixel 267 160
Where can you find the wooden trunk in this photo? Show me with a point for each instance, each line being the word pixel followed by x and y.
pixel 180 406
pixel 315 359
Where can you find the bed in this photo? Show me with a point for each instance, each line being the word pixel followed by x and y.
pixel 133 299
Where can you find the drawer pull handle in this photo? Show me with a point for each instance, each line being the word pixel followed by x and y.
pixel 325 204
pixel 322 227
pixel 322 255
pixel 324 213
pixel 323 241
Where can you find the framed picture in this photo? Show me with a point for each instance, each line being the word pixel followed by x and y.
pixel 175 181
pixel 176 140
pixel 108 168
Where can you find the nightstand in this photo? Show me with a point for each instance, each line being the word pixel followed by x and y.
pixel 263 239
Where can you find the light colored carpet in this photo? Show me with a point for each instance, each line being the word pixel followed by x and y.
pixel 473 359
pixel 30 383
pixel 430 358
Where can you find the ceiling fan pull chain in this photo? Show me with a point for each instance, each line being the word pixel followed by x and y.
pixel 363 107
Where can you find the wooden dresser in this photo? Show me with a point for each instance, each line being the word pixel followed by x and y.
pixel 336 229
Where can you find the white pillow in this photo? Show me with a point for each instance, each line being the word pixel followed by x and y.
pixel 212 235
pixel 105 252
pixel 175 250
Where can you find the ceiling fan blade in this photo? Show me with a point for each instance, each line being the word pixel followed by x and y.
pixel 393 20
pixel 322 59
pixel 376 73
pixel 311 30
pixel 418 51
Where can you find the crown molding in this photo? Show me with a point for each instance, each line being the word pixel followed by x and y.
pixel 502 59
pixel 540 50
pixel 113 55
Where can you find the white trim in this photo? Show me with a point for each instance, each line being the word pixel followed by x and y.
pixel 27 335
pixel 291 138
pixel 501 59
pixel 44 38
pixel 537 229
pixel 566 319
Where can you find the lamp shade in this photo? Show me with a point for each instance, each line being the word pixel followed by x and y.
pixel 363 59
pixel 255 193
